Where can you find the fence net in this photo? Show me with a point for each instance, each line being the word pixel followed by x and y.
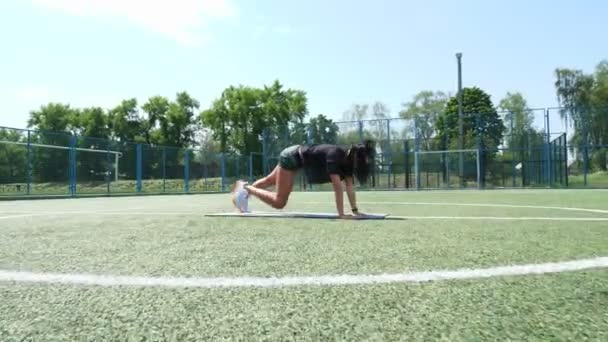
pixel 50 163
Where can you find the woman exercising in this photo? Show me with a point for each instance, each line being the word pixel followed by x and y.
pixel 322 163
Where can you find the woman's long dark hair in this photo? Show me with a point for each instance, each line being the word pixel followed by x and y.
pixel 363 160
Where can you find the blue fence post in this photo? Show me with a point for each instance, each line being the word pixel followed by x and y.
pixel 108 169
pixel 186 171
pixel 223 171
pixel 264 151
pixel 480 153
pixel 28 176
pixel 585 154
pixel 164 168
pixel 389 151
pixel 446 155
pixel 548 148
pixel 406 164
pixel 72 165
pixel 308 134
pixel 237 167
pixel 512 145
pixel 416 150
pixel 360 130
pixel 250 167
pixel 138 167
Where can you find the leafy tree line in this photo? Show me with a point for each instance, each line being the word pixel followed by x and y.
pixel 244 119
pixel 584 101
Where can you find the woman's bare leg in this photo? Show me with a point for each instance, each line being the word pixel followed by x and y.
pixel 284 186
pixel 267 181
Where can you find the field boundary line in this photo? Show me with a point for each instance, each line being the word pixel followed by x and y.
pixel 322 280
pixel 502 218
pixel 597 211
pixel 180 213
pixel 399 217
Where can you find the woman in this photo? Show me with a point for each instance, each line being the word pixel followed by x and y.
pixel 322 163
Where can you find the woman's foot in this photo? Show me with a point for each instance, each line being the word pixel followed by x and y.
pixel 240 197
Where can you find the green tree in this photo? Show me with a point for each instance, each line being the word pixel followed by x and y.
pixel 52 117
pixel 423 110
pixel 156 109
pixel 524 143
pixel 323 130
pixel 53 123
pixel 180 124
pixel 92 122
pixel 380 114
pixel 12 157
pixel 242 116
pixel 518 119
pixel 517 112
pixel 356 112
pixel 92 132
pixel 482 128
pixel 126 122
pixel 584 98
pixel 374 124
pixel 481 123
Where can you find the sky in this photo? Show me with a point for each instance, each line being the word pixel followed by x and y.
pixel 96 52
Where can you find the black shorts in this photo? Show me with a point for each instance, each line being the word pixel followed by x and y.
pixel 289 158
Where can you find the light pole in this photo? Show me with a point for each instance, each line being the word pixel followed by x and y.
pixel 460 123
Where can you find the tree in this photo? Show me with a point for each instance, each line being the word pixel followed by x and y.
pixel 156 109
pixel 357 112
pixel 180 124
pixel 53 123
pixel 517 112
pixel 91 126
pixel 518 121
pixel 323 130
pixel 481 123
pixel 584 98
pixel 482 126
pixel 423 111
pixel 242 116
pixel 523 141
pixel 126 123
pixel 53 117
pixel 12 157
pixel 92 122
pixel 374 121
pixel 318 130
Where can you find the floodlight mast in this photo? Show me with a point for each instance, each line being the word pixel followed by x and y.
pixel 460 117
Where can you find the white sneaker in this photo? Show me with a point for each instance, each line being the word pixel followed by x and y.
pixel 240 197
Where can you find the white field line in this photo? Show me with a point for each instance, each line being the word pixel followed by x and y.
pixel 23 213
pixel 68 212
pixel 500 218
pixel 180 213
pixel 597 211
pixel 330 280
pixel 479 218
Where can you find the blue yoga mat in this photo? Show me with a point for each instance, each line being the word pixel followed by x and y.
pixel 282 214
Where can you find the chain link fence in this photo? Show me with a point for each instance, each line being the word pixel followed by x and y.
pixel 410 154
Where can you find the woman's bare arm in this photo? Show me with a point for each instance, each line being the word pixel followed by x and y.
pixel 339 193
pixel 350 191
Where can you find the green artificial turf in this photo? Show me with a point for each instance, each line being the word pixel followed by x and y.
pixel 169 236
pixel 562 307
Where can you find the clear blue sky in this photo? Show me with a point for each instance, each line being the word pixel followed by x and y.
pixel 91 52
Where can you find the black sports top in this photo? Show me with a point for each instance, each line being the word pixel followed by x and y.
pixel 321 160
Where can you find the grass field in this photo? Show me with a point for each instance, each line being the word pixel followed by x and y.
pixel 55 256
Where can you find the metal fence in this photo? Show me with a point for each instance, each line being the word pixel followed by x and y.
pixel 411 154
